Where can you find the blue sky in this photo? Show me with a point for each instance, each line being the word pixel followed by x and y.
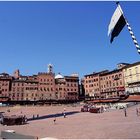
pixel 70 35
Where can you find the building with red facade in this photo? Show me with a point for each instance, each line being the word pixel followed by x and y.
pixel 46 86
pixel 105 84
pixel 5 84
pixel 92 84
pixel 41 87
pixel 112 84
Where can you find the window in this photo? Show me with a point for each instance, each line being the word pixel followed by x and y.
pixel 120 75
pixel 110 83
pixel 130 72
pixel 136 68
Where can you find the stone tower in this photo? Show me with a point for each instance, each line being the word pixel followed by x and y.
pixel 50 68
pixel 16 74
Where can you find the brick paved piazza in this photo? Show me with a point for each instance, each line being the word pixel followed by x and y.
pixel 77 125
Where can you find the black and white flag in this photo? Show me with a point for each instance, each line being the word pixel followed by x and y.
pixel 116 24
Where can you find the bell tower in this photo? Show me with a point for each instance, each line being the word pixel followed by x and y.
pixel 16 74
pixel 50 68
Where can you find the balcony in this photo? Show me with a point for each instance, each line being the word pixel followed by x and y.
pixel 134 82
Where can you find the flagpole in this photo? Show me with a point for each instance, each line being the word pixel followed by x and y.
pixel 130 30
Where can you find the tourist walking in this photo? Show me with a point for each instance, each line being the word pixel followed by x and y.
pixel 101 109
pixel 64 113
pixel 33 116
pixel 125 112
pixel 54 120
pixel 137 112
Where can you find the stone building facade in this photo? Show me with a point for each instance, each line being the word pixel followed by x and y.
pixel 132 78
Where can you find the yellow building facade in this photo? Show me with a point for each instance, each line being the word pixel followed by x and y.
pixel 132 78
